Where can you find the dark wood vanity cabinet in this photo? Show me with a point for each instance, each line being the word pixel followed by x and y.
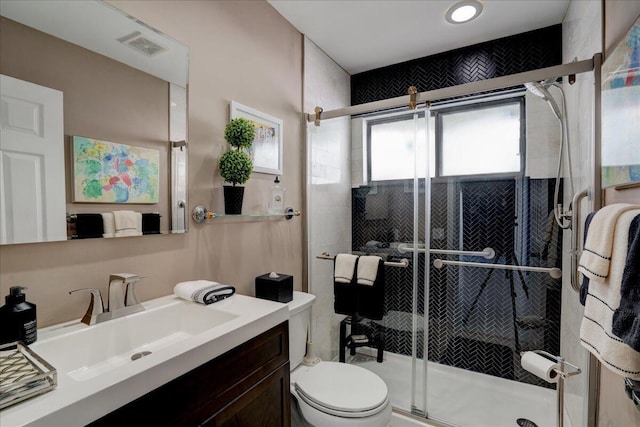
pixel 246 386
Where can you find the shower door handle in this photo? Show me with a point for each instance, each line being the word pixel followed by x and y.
pixel 575 237
pixel 487 253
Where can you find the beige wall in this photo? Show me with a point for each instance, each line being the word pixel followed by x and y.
pixel 242 51
pixel 619 15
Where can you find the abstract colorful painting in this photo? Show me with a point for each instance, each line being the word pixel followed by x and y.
pixel 621 111
pixel 108 172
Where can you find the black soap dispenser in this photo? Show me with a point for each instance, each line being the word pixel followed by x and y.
pixel 18 318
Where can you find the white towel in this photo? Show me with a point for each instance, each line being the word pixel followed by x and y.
pixel 109 224
pixel 127 223
pixel 203 291
pixel 602 301
pixel 596 256
pixel 368 269
pixel 344 268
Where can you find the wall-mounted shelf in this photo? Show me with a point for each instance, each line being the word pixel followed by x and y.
pixel 200 214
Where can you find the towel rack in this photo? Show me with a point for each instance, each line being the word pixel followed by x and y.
pixel 575 237
pixel 487 253
pixel 403 263
pixel 554 272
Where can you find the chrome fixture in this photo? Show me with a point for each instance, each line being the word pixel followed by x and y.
pixel 122 299
pixel 554 272
pixel 403 263
pixel 487 253
pixel 541 89
pixel 576 239
pixel 563 374
pixel 463 11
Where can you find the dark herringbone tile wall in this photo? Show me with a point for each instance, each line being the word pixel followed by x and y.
pixel 522 52
pixel 479 319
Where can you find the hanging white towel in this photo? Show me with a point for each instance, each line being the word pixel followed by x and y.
pixel 368 269
pixel 109 224
pixel 602 301
pixel 596 256
pixel 345 266
pixel 127 223
pixel 203 291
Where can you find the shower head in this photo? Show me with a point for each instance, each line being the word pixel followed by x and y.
pixel 540 89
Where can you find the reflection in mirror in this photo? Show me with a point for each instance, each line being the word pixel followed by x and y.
pixel 117 80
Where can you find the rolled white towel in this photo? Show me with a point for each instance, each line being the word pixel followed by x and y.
pixel 368 270
pixel 203 291
pixel 344 268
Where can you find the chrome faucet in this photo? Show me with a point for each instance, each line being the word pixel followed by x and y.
pixel 122 299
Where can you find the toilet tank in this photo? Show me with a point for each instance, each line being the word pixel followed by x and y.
pixel 299 320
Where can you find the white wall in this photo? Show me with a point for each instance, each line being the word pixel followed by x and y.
pixel 581 35
pixel 328 189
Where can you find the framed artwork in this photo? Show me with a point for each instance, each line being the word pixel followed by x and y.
pixel 108 172
pixel 621 111
pixel 266 151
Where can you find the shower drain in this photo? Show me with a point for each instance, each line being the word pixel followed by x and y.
pixel 523 422
pixel 136 356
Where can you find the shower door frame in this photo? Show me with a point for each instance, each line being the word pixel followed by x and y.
pixel 589 65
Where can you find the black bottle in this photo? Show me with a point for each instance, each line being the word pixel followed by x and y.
pixel 18 318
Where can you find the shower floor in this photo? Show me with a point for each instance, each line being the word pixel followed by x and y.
pixel 463 398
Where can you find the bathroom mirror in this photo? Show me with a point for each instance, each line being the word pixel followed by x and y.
pixel 119 80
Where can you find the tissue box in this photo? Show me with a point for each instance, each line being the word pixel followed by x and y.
pixel 275 288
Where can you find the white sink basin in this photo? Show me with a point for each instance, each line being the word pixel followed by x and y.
pixel 96 373
pixel 98 349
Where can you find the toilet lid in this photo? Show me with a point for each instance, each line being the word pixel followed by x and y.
pixel 342 388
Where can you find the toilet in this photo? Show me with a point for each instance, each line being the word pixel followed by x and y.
pixel 330 393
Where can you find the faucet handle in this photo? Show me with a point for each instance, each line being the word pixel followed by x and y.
pixel 96 306
pixel 130 296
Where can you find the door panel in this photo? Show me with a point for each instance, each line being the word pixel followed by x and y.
pixel 32 172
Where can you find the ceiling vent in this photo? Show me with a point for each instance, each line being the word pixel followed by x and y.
pixel 142 44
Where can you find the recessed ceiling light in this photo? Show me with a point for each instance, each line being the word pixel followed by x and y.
pixel 463 11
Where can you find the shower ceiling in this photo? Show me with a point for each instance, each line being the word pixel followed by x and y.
pixel 361 35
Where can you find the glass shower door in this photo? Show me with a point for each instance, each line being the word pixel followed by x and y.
pixel 488 205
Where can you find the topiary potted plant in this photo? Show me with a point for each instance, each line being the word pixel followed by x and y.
pixel 235 165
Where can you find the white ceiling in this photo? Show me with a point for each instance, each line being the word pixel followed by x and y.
pixel 361 35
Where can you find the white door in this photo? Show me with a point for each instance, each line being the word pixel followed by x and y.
pixel 32 178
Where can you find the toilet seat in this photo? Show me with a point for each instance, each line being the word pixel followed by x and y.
pixel 342 390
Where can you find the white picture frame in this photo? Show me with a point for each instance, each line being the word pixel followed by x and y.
pixel 266 150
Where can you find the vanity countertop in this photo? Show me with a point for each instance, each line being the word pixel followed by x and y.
pixel 89 389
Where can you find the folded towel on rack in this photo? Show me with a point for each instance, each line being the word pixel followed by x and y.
pixel 367 270
pixel 626 319
pixel 603 299
pixel 203 291
pixel 88 226
pixel 127 223
pixel 344 267
pixel 108 224
pixel 596 255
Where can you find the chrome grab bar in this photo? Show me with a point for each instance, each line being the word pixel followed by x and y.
pixel 403 263
pixel 554 272
pixel 576 241
pixel 487 253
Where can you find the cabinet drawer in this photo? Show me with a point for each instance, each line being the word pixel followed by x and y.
pixel 197 395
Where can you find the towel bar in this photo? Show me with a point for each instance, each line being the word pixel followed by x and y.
pixel 554 272
pixel 487 253
pixel 575 237
pixel 403 263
